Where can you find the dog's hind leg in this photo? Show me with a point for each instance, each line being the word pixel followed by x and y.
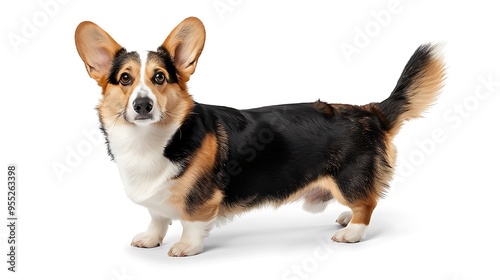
pixel 355 229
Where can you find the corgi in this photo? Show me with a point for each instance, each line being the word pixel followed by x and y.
pixel 201 164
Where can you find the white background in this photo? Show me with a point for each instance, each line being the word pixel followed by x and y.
pixel 439 220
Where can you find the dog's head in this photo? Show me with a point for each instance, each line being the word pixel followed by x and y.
pixel 142 88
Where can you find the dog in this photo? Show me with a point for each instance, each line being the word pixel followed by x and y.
pixel 201 164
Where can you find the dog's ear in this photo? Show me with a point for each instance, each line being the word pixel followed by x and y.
pixel 97 50
pixel 185 44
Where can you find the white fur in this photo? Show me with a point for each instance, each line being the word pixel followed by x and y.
pixel 351 233
pixel 155 233
pixel 344 218
pixel 143 55
pixel 142 90
pixel 191 243
pixel 145 172
pixel 315 206
pixel 147 176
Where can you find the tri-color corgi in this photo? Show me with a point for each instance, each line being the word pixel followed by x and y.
pixel 200 163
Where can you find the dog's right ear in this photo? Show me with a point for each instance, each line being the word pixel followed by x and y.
pixel 97 50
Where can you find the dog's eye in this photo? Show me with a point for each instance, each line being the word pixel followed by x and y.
pixel 125 79
pixel 159 78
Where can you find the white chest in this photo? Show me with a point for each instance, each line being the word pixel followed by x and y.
pixel 145 172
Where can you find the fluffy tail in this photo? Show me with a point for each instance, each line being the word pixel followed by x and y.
pixel 416 90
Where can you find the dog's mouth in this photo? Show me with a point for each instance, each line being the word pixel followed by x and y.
pixel 143 117
pixel 140 119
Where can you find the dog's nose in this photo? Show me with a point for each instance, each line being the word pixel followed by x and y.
pixel 143 105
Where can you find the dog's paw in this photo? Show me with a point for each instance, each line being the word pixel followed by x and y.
pixel 146 240
pixel 350 234
pixel 182 249
pixel 344 218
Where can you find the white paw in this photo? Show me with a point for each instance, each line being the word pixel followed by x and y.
pixel 350 234
pixel 344 218
pixel 181 249
pixel 147 240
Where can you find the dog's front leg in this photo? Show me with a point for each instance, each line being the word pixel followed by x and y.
pixel 153 236
pixel 193 235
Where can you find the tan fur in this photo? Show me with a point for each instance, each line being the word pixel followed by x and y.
pixel 209 210
pixel 423 92
pixel 174 102
pixel 323 183
pixel 325 108
pixel 362 211
pixel 185 43
pixel 115 97
pixel 202 164
pixel 323 189
pixel 97 58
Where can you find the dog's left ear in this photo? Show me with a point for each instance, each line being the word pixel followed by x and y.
pixel 185 44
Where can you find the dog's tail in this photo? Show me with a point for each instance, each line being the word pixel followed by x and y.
pixel 417 88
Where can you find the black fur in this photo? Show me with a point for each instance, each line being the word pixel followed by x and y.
pixel 121 57
pixel 274 151
pixel 168 63
pixel 106 140
pixel 269 153
pixel 399 101
pixel 188 138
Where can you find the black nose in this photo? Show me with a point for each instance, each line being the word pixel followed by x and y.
pixel 143 105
